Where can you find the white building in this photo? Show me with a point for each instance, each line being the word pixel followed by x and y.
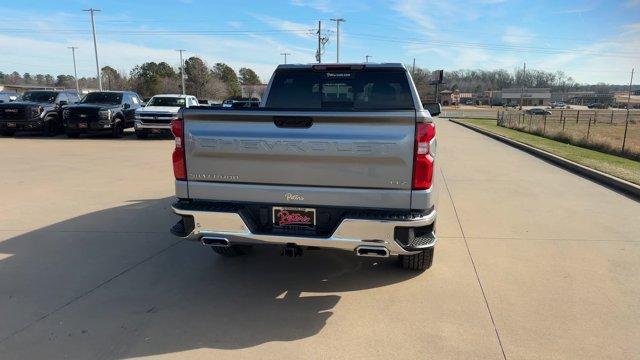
pixel 530 96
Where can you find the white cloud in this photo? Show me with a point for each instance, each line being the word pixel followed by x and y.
pixel 516 35
pixel 415 11
pixel 577 10
pixel 319 5
pixel 297 29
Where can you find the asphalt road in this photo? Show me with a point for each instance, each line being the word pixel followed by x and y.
pixel 532 262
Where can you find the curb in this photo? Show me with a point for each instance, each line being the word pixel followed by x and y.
pixel 595 175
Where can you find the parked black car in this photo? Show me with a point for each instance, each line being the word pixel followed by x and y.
pixel 36 111
pixel 237 104
pixel 597 105
pixel 537 111
pixel 102 112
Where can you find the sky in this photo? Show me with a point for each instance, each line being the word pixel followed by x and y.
pixel 592 41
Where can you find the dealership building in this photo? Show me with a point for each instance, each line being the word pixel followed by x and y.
pixel 530 96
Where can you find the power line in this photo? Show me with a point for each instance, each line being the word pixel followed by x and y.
pixel 497 47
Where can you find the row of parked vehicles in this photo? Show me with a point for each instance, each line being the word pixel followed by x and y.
pixel 101 112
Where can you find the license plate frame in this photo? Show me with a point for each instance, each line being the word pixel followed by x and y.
pixel 295 216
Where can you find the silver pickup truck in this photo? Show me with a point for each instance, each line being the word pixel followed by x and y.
pixel 337 156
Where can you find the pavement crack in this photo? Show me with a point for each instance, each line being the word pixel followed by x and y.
pixel 90 291
pixel 473 263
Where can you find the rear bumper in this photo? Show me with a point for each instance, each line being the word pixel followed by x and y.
pixel 350 234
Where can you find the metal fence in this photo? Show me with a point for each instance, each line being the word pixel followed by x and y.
pixel 612 131
pixel 487 113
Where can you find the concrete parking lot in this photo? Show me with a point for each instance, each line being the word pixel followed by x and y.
pixel 533 262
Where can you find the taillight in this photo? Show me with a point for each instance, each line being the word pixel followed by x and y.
pixel 424 156
pixel 179 163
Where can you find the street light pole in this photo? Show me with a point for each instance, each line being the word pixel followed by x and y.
pixel 524 79
pixel 367 58
pixel 75 72
pixel 285 56
pixel 95 45
pixel 338 21
pixel 182 70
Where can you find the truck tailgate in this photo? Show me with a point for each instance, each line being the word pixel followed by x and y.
pixel 370 150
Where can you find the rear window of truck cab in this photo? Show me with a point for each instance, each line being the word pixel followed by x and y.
pixel 369 89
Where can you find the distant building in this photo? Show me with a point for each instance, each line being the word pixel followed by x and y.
pixel 530 96
pixel 492 97
pixel 19 89
pixel 445 98
pixel 582 97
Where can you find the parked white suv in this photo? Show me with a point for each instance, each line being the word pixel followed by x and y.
pixel 155 117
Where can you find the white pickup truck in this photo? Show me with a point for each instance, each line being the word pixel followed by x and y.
pixel 156 116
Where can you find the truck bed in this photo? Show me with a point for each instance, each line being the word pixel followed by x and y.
pixel 340 158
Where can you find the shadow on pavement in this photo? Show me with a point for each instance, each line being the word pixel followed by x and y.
pixel 114 284
pixel 129 134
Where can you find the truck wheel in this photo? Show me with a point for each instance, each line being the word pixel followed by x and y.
pixel 142 134
pixel 7 132
pixel 118 130
pixel 420 261
pixel 231 251
pixel 50 127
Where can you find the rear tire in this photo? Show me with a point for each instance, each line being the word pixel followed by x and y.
pixel 417 262
pixel 7 132
pixel 231 251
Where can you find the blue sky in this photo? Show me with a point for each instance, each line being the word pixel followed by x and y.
pixel 592 41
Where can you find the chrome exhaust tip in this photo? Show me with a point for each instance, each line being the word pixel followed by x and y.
pixel 214 241
pixel 372 251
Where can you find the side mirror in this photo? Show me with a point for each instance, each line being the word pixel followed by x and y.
pixel 63 103
pixel 126 106
pixel 433 108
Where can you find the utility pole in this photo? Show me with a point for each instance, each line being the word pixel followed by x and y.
pixel 338 21
pixel 413 69
pixel 75 72
pixel 367 58
pixel 630 84
pixel 182 69
pixel 319 54
pixel 95 45
pixel 524 76
pixel 626 125
pixel 285 56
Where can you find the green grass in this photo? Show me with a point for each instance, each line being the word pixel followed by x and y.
pixel 614 165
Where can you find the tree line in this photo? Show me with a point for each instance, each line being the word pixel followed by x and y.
pixel 477 81
pixel 217 82
pixel 220 81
